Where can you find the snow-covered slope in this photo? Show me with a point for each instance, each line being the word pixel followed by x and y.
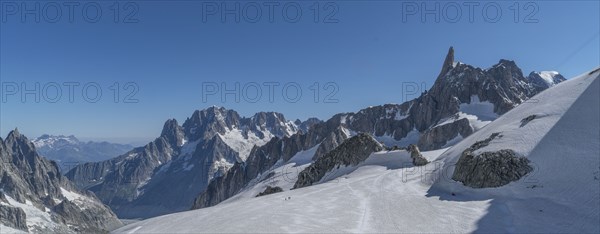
pixel 349 199
pixel 386 193
pixel 562 142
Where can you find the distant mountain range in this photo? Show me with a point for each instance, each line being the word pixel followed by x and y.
pixel 68 151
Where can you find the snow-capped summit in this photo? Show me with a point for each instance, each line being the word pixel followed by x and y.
pixel 52 141
pixel 545 79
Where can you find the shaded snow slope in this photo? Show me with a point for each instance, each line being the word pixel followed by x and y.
pixel 562 142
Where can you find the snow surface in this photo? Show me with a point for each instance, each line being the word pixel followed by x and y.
pixel 5 229
pixel 478 113
pixel 235 139
pixel 484 110
pixel 283 175
pixel 386 193
pixel 562 194
pixel 52 141
pixel 81 201
pixel 383 194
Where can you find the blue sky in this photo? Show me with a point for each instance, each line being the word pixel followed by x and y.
pixel 176 47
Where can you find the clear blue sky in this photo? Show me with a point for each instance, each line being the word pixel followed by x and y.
pixel 172 50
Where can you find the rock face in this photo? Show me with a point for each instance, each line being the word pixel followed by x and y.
pixel 326 135
pixel 350 153
pixel 489 169
pixel 304 126
pixel 12 217
pixel 433 120
pixel 68 151
pixel 416 156
pixel 166 175
pixel 439 136
pixel 29 180
pixel 270 190
pixel 458 87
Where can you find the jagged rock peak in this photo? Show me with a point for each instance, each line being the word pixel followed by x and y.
pixel 36 183
pixel 448 62
pixel 169 125
pixel 507 62
pixel 14 137
pixel 173 132
pixel 14 134
pixel 262 117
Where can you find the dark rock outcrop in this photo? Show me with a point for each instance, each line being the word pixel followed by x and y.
pixel 416 156
pixel 438 136
pixel 489 169
pixel 270 190
pixel 448 63
pixel 350 153
pixel 527 119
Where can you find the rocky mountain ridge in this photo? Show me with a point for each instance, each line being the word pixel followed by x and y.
pixel 35 197
pixel 462 100
pixel 166 175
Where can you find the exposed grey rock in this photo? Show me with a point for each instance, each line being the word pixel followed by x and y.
pixel 306 125
pixel 438 136
pixel 175 186
pixel 173 133
pixel 527 119
pixel 116 181
pixel 29 178
pixel 270 190
pixel 416 156
pixel 13 217
pixel 448 63
pixel 333 140
pixel 166 175
pixel 489 169
pixel 353 151
pixel 264 157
